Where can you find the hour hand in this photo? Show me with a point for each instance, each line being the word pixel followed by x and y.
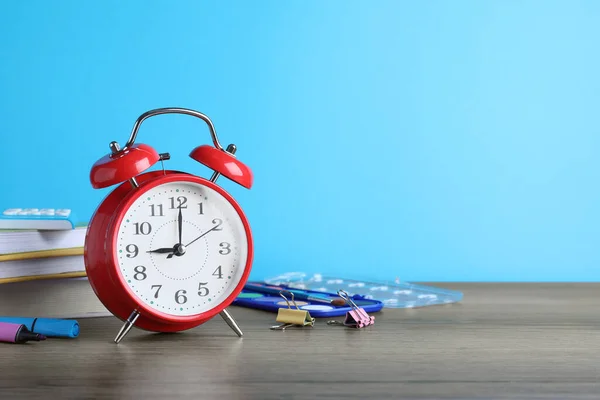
pixel 161 250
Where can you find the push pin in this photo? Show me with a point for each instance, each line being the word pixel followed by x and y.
pixel 357 317
pixel 290 317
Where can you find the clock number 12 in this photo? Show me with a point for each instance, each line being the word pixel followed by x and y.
pixel 181 200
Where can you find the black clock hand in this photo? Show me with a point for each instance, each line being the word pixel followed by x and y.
pixel 162 250
pixel 210 230
pixel 180 222
pixel 171 251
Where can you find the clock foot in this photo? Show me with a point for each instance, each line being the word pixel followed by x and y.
pixel 231 322
pixel 127 326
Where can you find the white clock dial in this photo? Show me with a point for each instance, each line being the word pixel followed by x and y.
pixel 187 277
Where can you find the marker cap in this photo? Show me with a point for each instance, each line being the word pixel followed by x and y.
pixel 56 327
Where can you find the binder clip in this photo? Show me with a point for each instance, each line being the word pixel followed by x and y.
pixel 355 318
pixel 290 317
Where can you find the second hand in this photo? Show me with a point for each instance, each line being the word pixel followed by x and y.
pixel 212 229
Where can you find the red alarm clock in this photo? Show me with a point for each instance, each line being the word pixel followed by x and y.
pixel 166 251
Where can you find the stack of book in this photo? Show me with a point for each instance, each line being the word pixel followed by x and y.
pixel 42 274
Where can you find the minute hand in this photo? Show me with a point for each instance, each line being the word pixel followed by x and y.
pixel 179 224
pixel 210 230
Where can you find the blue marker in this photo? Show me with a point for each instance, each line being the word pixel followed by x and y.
pixel 48 327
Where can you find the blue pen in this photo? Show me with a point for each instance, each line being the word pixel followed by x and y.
pixel 48 327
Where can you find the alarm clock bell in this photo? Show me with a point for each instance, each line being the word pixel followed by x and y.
pixel 125 164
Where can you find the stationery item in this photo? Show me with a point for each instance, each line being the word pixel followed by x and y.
pixel 41 268
pixel 49 327
pixel 355 318
pixel 69 298
pixel 29 241
pixel 299 294
pixel 17 333
pixel 36 255
pixel 393 293
pixel 272 302
pixel 290 317
pixel 36 218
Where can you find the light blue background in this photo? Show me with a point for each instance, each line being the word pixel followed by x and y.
pixel 425 140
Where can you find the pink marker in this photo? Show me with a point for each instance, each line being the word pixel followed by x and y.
pixel 17 333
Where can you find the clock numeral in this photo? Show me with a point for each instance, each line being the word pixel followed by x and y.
pixel 202 290
pixel 153 209
pixel 180 297
pixel 201 208
pixel 180 199
pixel 218 273
pixel 132 250
pixel 219 222
pixel 144 228
pixel 226 248
pixel 140 273
pixel 157 290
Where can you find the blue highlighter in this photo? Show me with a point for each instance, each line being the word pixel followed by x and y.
pixel 48 327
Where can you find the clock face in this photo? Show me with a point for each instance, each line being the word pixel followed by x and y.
pixel 188 276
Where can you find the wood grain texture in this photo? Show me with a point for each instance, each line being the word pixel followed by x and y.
pixel 514 341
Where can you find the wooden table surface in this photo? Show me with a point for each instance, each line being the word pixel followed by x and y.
pixel 517 341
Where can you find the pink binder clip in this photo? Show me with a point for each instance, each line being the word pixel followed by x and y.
pixel 355 318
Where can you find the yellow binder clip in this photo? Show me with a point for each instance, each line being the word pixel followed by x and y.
pixel 290 317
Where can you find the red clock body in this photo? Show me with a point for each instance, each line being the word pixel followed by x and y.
pixel 177 249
